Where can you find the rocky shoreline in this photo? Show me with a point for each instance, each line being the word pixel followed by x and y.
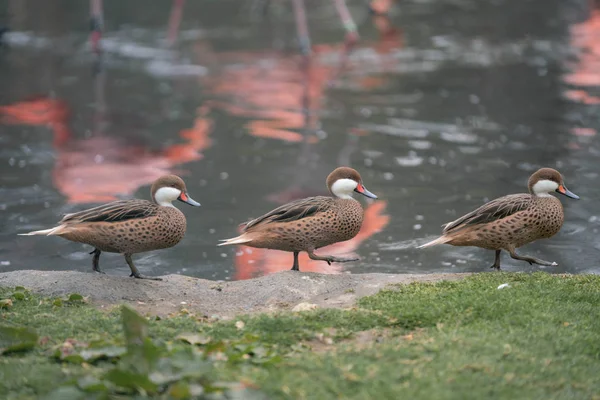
pixel 278 291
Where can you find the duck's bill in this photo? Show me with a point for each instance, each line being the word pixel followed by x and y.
pixel 187 199
pixel 363 190
pixel 562 189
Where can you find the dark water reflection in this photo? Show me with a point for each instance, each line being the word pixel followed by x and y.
pixel 441 107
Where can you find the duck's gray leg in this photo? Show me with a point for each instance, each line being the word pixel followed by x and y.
pixel 96 261
pixel 296 266
pixel 496 264
pixel 302 27
pixel 134 271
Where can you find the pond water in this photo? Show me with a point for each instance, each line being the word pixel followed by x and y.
pixel 441 106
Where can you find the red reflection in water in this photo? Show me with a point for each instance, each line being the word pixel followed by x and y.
pixel 585 36
pixel 381 7
pixel 97 168
pixel 285 93
pixel 581 96
pixel 251 262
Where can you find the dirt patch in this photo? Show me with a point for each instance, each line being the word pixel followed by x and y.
pixel 325 342
pixel 279 291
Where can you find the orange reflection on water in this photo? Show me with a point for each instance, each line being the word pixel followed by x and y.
pixel 284 94
pixel 585 37
pixel 97 168
pixel 252 262
pixel 581 96
pixel 273 91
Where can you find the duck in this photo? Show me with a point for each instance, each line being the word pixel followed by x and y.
pixel 310 223
pixel 129 226
pixel 512 221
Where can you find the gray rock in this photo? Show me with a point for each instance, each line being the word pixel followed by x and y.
pixel 278 291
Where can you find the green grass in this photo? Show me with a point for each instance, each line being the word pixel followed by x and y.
pixel 537 339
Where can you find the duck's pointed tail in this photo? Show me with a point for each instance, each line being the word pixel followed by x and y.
pixel 243 238
pixel 440 240
pixel 57 230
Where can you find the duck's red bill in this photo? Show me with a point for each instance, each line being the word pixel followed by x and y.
pixel 363 190
pixel 187 199
pixel 563 190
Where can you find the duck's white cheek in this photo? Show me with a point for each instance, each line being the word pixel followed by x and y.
pixel 544 186
pixel 165 195
pixel 343 188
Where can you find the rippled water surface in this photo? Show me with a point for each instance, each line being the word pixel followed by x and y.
pixel 442 106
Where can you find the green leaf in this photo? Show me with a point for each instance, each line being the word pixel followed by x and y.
pixel 66 393
pixel 131 380
pixel 18 296
pixel 67 352
pixel 180 390
pixel 103 353
pixel 19 289
pixel 57 303
pixel 134 325
pixel 75 297
pixel 193 338
pixel 16 338
pixel 91 384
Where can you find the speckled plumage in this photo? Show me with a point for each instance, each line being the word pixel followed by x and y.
pixel 326 221
pixel 129 226
pixel 512 221
pixel 311 223
pixel 141 226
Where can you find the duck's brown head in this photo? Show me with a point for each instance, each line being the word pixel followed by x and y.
pixel 169 188
pixel 547 180
pixel 344 180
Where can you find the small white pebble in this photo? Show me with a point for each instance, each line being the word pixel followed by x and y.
pixel 240 325
pixel 183 302
pixel 504 285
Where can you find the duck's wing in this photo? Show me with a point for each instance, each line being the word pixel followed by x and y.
pixel 495 210
pixel 293 211
pixel 115 211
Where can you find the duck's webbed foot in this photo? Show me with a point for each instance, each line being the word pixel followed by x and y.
pixel 532 260
pixel 329 259
pixel 134 271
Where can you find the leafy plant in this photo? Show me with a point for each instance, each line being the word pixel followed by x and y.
pixel 149 367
